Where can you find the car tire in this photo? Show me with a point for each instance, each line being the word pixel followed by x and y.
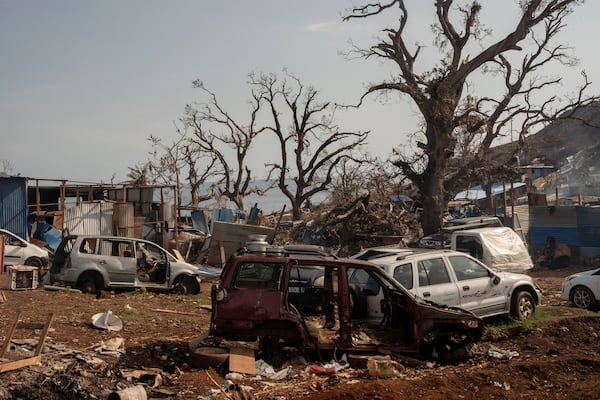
pixel 522 305
pixel 34 262
pixel 208 357
pixel 185 284
pixel 582 297
pixel 90 283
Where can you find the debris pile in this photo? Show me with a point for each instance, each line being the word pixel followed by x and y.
pixel 361 224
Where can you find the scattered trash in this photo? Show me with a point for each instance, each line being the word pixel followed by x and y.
pixel 112 347
pixel 234 376
pixel 503 385
pixel 107 320
pixel 131 393
pixel 282 374
pixel 495 352
pixel 264 369
pixel 382 367
pixel 321 370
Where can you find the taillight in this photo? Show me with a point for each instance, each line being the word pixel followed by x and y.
pixel 221 294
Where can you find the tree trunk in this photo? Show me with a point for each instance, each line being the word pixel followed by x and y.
pixel 434 205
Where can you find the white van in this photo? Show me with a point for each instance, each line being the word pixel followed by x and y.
pixel 20 252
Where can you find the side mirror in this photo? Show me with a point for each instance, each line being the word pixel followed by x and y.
pixel 496 280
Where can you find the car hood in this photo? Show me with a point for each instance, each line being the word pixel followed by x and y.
pixel 583 273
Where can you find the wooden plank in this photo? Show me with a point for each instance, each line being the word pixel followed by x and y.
pixel 178 255
pixel 241 359
pixel 11 365
pixel 10 334
pixel 43 335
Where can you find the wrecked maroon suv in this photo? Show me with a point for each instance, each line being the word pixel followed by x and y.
pixel 317 302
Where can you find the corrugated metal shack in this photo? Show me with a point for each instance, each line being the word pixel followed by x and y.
pixel 102 209
pixel 576 226
pixel 13 205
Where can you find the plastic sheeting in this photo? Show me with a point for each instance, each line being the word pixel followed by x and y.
pixel 503 249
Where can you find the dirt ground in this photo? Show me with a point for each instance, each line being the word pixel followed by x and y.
pixel 554 360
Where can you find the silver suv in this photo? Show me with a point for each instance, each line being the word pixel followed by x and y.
pixel 456 279
pixel 92 263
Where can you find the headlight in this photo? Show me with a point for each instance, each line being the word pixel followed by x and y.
pixel 473 323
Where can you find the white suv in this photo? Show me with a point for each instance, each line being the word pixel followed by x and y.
pixel 455 279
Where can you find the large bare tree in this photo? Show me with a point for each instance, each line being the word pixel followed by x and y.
pixel 217 133
pixel 460 120
pixel 310 142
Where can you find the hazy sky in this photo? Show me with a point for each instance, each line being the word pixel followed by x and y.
pixel 83 83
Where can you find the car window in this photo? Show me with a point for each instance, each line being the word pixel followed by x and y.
pixel 470 245
pixel 266 276
pixel 88 246
pixel 403 273
pixel 432 272
pixel 364 280
pixel 115 248
pixel 466 268
pixel 10 240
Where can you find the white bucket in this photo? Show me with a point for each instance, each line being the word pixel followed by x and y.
pixel 131 393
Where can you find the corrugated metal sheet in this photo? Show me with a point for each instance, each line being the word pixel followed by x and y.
pixel 124 219
pixel 90 218
pixel 539 234
pixel 553 216
pixel 588 219
pixel 13 205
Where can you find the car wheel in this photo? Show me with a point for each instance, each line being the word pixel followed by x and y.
pixel 34 262
pixel 208 357
pixel 185 284
pixel 90 283
pixel 582 297
pixel 522 306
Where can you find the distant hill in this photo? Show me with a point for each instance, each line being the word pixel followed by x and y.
pixel 571 146
pixel 565 137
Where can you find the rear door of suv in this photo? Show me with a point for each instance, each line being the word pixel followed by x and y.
pixel 115 256
pixel 434 281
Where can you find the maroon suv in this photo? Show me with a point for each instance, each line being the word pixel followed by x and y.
pixel 316 302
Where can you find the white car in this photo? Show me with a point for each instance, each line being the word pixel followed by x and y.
pixel 582 289
pixel 18 251
pixel 454 278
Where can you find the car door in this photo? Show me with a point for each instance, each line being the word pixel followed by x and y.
pixel 478 293
pixel 435 282
pixel 115 256
pixel 256 293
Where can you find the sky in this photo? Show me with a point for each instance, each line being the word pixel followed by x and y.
pixel 84 83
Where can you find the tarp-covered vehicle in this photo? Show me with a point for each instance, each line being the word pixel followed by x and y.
pixel 306 301
pixel 499 248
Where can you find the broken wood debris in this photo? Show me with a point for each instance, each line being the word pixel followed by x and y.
pixel 37 357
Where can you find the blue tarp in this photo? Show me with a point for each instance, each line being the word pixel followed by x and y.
pixel 47 233
pixel 199 222
pixel 477 192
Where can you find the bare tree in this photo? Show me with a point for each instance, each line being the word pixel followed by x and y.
pixel 174 164
pixel 227 141
pixel 457 123
pixel 311 144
